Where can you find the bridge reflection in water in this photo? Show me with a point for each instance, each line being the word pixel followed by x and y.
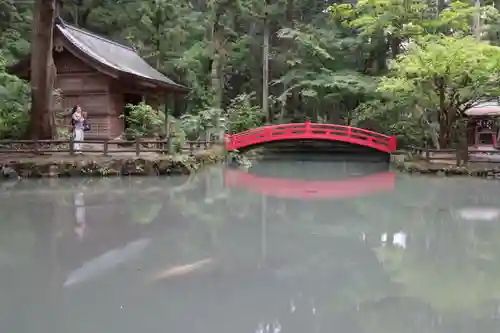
pixel 326 180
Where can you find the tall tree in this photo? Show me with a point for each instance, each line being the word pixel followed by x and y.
pixel 444 87
pixel 42 70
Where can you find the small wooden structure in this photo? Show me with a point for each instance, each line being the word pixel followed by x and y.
pixel 482 127
pixel 101 76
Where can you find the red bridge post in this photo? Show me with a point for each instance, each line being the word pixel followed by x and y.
pixel 393 142
pixel 268 132
pixel 308 126
pixel 228 138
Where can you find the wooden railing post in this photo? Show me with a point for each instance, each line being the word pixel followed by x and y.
pixel 105 147
pixel 137 146
pixel 71 145
pixel 36 145
pixel 159 144
pixel 170 145
pixel 462 155
pixel 191 150
pixel 163 145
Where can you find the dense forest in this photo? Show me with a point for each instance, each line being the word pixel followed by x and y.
pixel 408 68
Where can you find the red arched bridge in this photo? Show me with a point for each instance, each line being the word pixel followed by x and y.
pixel 312 131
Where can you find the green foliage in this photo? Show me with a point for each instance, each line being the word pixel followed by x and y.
pixel 405 19
pixel 467 73
pixel 195 125
pixel 176 133
pixel 144 121
pixel 441 88
pixel 396 116
pixel 15 21
pixel 242 115
pixel 331 83
pixel 324 65
pixel 14 104
pixel 434 73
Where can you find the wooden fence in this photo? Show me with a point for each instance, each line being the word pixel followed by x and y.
pixel 106 147
pixel 459 157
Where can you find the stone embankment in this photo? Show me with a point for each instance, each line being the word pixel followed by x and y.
pixel 54 166
pixel 483 169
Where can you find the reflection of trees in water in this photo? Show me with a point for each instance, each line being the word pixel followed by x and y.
pixel 445 268
pixel 17 238
pixel 396 314
pixel 302 252
pixel 408 314
pixel 448 265
pixel 445 276
pixel 449 272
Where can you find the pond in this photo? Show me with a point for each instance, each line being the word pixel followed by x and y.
pixel 289 246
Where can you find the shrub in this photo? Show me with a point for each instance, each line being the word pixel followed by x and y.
pixel 14 105
pixel 144 121
pixel 241 115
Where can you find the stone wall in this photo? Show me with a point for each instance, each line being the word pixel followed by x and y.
pixel 100 166
pixel 483 170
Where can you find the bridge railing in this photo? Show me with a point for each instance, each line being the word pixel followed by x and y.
pixel 310 130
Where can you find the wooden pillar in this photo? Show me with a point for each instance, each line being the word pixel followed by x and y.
pixel 168 126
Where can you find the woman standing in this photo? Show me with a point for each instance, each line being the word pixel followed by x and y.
pixel 78 122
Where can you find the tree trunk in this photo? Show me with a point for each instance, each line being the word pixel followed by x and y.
pixel 215 87
pixel 443 130
pixel 42 70
pixel 395 47
pixel 281 118
pixel 476 28
pixel 452 130
pixel 215 84
pixel 441 5
pixel 265 73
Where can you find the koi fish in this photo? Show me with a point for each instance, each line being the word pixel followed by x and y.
pixel 106 262
pixel 181 269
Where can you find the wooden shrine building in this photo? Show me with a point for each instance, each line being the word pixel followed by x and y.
pixel 101 76
pixel 483 129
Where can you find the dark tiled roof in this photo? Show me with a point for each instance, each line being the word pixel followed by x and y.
pixel 484 108
pixel 112 54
